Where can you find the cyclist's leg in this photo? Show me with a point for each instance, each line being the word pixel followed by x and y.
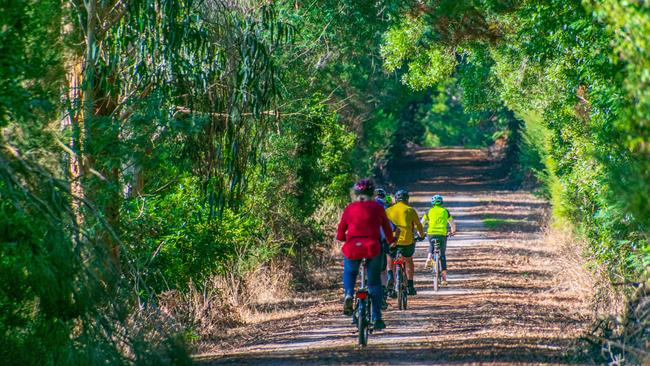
pixel 390 272
pixel 429 254
pixel 392 252
pixel 443 256
pixel 374 285
pixel 350 273
pixel 409 268
pixel 384 262
pixel 407 252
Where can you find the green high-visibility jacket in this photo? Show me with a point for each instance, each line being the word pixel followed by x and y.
pixel 437 217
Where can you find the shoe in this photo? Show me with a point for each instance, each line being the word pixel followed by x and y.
pixel 347 305
pixel 392 293
pixel 379 325
pixel 444 283
pixel 411 291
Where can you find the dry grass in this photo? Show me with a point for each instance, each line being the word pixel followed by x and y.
pixel 573 274
pixel 226 302
pixel 620 332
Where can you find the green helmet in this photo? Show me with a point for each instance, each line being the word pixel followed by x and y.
pixel 388 200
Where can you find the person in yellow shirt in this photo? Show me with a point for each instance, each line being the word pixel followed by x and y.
pixel 437 219
pixel 406 220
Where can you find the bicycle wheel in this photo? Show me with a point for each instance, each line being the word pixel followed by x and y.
pixel 362 323
pixel 439 267
pixel 404 291
pixel 434 272
pixel 399 285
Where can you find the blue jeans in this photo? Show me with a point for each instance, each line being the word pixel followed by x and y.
pixel 373 279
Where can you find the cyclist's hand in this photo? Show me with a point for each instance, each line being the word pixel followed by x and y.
pixel 453 233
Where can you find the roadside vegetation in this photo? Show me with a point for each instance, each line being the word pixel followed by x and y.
pixel 160 160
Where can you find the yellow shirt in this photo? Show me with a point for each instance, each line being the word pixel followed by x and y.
pixel 406 219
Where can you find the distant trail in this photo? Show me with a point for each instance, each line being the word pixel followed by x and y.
pixel 503 305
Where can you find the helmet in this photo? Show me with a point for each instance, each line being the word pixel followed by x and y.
pixel 380 193
pixel 388 200
pixel 402 195
pixel 364 186
pixel 436 200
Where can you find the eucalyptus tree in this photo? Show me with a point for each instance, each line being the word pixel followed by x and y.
pixel 145 84
pixel 198 71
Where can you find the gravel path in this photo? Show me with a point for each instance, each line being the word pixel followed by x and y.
pixel 505 303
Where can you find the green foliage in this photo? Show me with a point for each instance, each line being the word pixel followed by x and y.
pixel 576 73
pixel 209 137
pixel 452 120
pixel 60 301
pixel 153 94
pixel 426 66
pixel 175 239
pixel 28 71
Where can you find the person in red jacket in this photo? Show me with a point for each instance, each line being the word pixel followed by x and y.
pixel 360 229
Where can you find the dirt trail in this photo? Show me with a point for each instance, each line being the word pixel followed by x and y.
pixel 503 305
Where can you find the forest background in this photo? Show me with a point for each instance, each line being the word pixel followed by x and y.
pixel 157 152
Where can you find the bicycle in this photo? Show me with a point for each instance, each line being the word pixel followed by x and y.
pixel 363 308
pixel 436 268
pixel 401 285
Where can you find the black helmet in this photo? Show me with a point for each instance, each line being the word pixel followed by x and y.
pixel 380 193
pixel 364 186
pixel 402 195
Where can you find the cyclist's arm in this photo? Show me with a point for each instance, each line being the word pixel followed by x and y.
pixel 452 223
pixel 418 224
pixel 343 227
pixel 386 226
pixel 424 220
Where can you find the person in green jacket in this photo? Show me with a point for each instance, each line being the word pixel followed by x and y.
pixel 436 220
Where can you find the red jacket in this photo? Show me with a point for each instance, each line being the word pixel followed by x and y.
pixel 362 219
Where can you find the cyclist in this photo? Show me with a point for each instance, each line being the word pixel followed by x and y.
pixel 406 219
pixel 437 219
pixel 380 197
pixel 360 229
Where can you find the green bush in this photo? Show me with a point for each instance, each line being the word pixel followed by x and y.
pixel 175 239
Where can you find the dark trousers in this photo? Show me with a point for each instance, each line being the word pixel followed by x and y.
pixel 442 242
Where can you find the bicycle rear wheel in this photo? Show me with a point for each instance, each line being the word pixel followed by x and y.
pixel 434 272
pixel 399 284
pixel 403 291
pixel 362 323
pixel 439 267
